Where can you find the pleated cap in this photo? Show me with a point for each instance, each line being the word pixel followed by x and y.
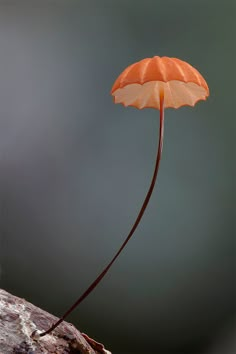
pixel 140 84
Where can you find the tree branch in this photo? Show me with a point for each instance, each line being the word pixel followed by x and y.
pixel 19 319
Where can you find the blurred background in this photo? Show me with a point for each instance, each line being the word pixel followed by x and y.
pixel 75 169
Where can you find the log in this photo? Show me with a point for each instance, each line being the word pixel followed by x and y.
pixel 21 321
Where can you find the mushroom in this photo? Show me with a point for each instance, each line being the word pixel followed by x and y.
pixel 158 82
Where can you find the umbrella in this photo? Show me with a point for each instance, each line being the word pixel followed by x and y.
pixel 158 82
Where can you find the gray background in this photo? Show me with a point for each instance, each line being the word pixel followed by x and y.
pixel 75 169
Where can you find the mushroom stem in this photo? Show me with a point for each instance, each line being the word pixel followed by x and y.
pixel 137 221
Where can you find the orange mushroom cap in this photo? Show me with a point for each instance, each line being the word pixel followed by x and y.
pixel 140 84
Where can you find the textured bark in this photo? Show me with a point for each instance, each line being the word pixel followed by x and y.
pixel 19 319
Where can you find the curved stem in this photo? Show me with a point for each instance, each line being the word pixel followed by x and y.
pixel 139 217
